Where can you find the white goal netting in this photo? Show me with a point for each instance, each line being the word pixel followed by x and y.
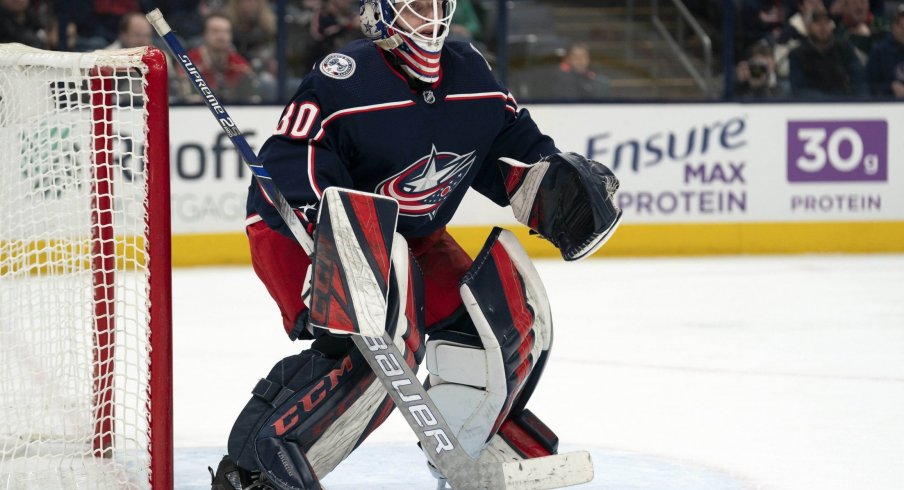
pixel 75 321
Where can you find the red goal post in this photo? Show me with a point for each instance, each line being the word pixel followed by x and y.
pixel 85 281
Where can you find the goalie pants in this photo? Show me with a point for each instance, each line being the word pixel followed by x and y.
pixel 281 264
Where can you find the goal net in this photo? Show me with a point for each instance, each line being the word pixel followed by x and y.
pixel 85 357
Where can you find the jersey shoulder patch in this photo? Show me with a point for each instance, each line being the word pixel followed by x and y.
pixel 338 66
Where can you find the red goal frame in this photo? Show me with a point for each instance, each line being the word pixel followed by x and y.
pixel 159 260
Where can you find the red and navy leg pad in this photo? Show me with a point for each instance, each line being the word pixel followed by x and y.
pixel 313 409
pixel 477 377
pixel 353 247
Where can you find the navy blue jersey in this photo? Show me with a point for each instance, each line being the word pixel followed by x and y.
pixel 355 123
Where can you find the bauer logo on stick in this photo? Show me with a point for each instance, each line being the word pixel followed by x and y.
pixel 337 66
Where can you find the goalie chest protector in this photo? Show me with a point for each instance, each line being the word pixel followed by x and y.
pixel 355 122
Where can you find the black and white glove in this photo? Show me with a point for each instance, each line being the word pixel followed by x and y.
pixel 565 198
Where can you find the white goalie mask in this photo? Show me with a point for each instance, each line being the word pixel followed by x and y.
pixel 414 30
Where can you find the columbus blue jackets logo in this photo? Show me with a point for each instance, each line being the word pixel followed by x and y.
pixel 337 66
pixel 422 187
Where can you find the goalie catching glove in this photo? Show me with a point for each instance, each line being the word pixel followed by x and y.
pixel 566 199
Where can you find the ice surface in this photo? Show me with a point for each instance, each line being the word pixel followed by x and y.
pixel 703 373
pixel 396 466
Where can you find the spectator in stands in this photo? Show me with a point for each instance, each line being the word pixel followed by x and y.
pixel 107 14
pixel 885 69
pixel 96 21
pixel 861 27
pixel 184 16
pixel 20 24
pixel 254 34
pixel 575 78
pixel 755 77
pixel 299 16
pixel 876 8
pixel 761 19
pixel 52 36
pixel 226 71
pixel 254 37
pixel 793 35
pixel 134 31
pixel 333 25
pixel 825 66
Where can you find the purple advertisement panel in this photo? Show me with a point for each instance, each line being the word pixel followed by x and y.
pixel 837 151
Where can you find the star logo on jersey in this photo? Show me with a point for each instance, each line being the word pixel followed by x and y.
pixel 424 185
pixel 308 212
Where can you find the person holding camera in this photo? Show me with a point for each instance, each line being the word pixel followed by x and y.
pixel 755 77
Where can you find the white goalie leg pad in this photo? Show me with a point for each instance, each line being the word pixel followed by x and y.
pixel 474 380
pixel 469 408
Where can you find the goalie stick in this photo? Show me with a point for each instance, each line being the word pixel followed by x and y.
pixel 381 353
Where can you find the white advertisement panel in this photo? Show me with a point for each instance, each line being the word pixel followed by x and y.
pixel 678 163
pixel 743 162
pixel 209 180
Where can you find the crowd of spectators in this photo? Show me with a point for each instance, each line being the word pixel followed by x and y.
pixel 233 42
pixel 789 48
pixel 820 49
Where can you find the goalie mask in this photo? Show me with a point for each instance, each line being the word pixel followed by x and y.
pixel 413 30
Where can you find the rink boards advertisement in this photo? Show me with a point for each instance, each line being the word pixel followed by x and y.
pixel 695 178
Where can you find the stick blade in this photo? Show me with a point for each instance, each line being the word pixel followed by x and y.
pixel 351 264
pixel 555 471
